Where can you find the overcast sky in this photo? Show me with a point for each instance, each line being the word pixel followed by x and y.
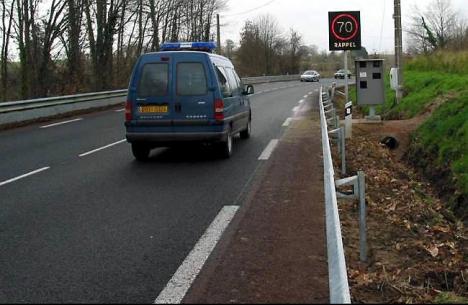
pixel 310 18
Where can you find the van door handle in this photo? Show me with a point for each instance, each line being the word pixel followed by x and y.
pixel 178 107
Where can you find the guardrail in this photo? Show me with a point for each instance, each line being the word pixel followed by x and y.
pixel 29 110
pixel 338 277
pixel 270 79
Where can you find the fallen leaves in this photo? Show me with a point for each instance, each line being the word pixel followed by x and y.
pixel 433 250
pixel 409 236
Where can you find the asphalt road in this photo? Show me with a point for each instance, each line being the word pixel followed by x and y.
pixel 103 228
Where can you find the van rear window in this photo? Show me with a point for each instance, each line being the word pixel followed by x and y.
pixel 154 80
pixel 191 79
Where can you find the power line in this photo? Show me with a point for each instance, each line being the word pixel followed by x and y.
pixel 250 10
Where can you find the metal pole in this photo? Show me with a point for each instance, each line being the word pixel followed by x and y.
pixel 218 33
pixel 343 151
pixel 346 76
pixel 333 91
pixel 362 217
pixel 398 49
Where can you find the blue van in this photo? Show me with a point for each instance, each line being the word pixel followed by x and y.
pixel 184 94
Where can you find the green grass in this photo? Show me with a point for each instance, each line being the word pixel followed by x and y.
pixel 422 88
pixel 443 140
pixel 448 62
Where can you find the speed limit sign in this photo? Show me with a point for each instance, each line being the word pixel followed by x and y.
pixel 344 31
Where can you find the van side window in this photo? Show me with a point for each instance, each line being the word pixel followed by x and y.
pixel 222 81
pixel 239 81
pixel 154 80
pixel 232 81
pixel 191 79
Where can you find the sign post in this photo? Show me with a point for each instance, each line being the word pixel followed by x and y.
pixel 345 35
pixel 349 120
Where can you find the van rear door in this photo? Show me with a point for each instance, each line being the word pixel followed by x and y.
pixel 154 102
pixel 194 101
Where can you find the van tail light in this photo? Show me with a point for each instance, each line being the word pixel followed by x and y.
pixel 219 109
pixel 128 111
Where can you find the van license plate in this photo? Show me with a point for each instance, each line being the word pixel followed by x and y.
pixel 153 109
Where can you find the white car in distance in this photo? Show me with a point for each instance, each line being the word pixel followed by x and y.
pixel 310 76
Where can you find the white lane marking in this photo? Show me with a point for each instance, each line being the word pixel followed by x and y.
pixel 310 92
pixel 301 101
pixel 120 110
pixel 180 283
pixel 24 176
pixel 287 122
pixel 306 96
pixel 61 123
pixel 266 154
pixel 102 148
pixel 296 109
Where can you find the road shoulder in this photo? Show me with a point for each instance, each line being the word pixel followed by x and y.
pixel 275 250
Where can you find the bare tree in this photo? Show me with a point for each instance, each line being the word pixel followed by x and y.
pixel 36 36
pixel 102 24
pixel 103 37
pixel 435 28
pixel 7 22
pixel 295 54
pixel 264 50
pixel 72 46
pixel 52 28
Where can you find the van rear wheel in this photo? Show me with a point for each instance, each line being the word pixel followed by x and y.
pixel 140 152
pixel 225 147
pixel 245 134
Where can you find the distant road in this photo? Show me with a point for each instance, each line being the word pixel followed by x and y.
pixel 81 221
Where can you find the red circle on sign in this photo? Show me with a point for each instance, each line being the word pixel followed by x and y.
pixel 355 23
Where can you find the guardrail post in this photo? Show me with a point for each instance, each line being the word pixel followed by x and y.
pixel 362 217
pixel 333 88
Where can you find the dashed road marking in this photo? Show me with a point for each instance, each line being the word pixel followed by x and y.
pixel 24 176
pixel 296 109
pixel 61 123
pixel 101 148
pixel 301 101
pixel 287 122
pixel 182 280
pixel 266 154
pixel 120 110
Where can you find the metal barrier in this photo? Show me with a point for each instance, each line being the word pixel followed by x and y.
pixel 6 107
pixel 338 278
pixel 27 110
pixel 270 79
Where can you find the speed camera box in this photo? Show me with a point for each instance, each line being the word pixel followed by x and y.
pixel 370 81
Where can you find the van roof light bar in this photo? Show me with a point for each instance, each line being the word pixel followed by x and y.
pixel 208 46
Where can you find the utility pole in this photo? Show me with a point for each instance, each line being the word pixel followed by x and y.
pixel 398 48
pixel 218 28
